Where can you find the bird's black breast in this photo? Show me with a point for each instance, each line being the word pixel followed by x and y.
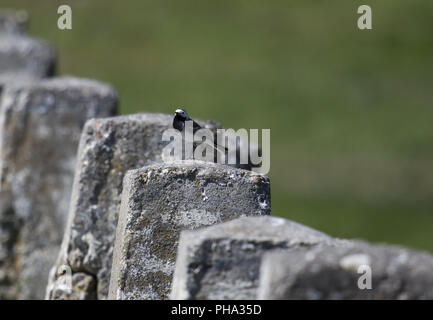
pixel 178 124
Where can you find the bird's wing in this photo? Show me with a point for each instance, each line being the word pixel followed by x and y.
pixel 195 126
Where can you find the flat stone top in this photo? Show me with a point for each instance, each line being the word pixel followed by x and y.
pixel 204 169
pixel 9 78
pixel 152 118
pixel 258 229
pixel 139 117
pixel 22 54
pixel 21 43
pixel 376 254
pixel 65 83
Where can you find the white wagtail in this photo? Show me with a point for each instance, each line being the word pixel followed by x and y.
pixel 180 116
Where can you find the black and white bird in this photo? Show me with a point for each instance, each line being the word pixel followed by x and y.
pixel 180 116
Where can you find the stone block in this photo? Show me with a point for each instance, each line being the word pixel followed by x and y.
pixel 355 271
pixel 40 126
pixel 160 201
pixel 223 261
pixel 108 148
pixel 20 54
pixel 12 21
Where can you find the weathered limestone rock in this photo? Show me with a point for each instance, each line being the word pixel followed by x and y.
pixel 22 58
pixel 336 272
pixel 223 261
pixel 160 201
pixel 12 21
pixel 21 54
pixel 108 148
pixel 15 80
pixel 40 126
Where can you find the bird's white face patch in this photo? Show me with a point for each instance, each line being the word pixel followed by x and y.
pixel 182 113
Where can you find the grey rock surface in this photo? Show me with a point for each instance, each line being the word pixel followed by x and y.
pixel 12 21
pixel 108 148
pixel 223 261
pixel 340 273
pixel 40 126
pixel 20 54
pixel 7 79
pixel 160 201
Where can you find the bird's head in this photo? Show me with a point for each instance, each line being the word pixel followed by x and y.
pixel 181 114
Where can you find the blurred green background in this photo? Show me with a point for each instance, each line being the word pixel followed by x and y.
pixel 350 111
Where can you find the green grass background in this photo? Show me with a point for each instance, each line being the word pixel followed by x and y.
pixel 350 111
